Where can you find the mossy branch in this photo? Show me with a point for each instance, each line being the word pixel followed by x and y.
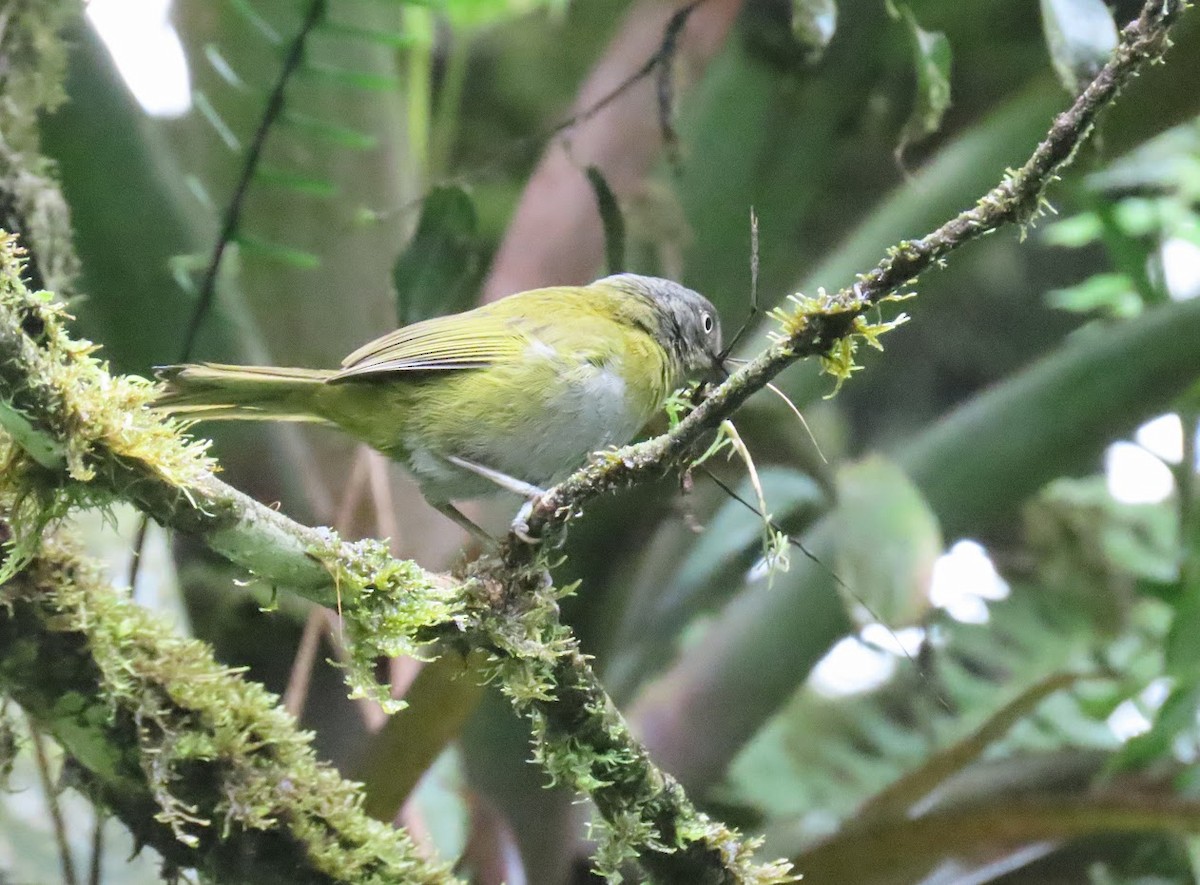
pixel 85 437
pixel 827 326
pixel 200 764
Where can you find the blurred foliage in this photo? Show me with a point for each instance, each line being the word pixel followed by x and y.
pixel 384 184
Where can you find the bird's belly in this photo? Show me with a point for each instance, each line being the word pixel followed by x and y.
pixel 538 440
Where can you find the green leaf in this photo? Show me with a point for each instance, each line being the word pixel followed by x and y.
pixel 1112 294
pixel 343 136
pixel 209 113
pixel 611 218
pixel 1080 34
pixel 887 541
pixel 223 68
pixel 247 11
pixel 380 36
pixel 289 255
pixel 931 58
pixel 366 80
pixel 814 23
pixel 439 270
pixel 1090 548
pixel 295 181
pixel 1182 652
pixel 1078 230
pixel 482 13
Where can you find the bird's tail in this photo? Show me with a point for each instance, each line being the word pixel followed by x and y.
pixel 248 393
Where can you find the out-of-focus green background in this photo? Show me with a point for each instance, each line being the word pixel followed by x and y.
pixel 990 671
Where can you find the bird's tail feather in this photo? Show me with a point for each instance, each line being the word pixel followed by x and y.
pixel 247 393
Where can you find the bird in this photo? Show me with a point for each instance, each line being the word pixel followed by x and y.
pixel 512 395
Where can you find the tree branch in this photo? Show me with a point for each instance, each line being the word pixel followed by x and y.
pixel 199 763
pixel 86 437
pixel 826 326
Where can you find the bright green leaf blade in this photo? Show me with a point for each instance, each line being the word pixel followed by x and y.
pixel 1080 34
pixel 330 73
pixel 307 185
pixel 342 136
pixel 379 36
pixel 1112 294
pixel 288 255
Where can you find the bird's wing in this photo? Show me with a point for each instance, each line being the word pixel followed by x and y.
pixel 469 340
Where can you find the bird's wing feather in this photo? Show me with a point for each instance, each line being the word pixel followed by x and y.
pixel 460 341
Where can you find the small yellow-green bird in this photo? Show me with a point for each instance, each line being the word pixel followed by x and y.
pixel 512 395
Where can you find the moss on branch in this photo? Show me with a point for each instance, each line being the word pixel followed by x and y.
pixel 78 436
pixel 200 764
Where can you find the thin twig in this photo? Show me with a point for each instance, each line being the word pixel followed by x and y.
pixel 94 866
pixel 233 212
pixel 65 859
pixel 300 675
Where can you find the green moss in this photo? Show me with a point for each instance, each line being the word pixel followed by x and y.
pixel 389 607
pixel 840 323
pixel 67 409
pixel 152 713
pixel 31 80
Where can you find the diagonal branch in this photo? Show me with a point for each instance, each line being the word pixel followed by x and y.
pixel 819 326
pixel 87 437
pixel 199 763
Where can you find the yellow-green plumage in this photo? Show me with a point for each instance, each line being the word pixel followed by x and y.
pixel 526 386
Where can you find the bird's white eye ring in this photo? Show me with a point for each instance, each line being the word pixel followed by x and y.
pixel 706 321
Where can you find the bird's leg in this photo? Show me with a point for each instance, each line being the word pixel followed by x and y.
pixel 461 520
pixel 530 492
pixel 506 482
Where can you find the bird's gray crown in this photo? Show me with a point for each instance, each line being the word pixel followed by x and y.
pixel 688 320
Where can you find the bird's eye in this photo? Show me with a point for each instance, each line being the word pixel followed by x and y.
pixel 706 321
